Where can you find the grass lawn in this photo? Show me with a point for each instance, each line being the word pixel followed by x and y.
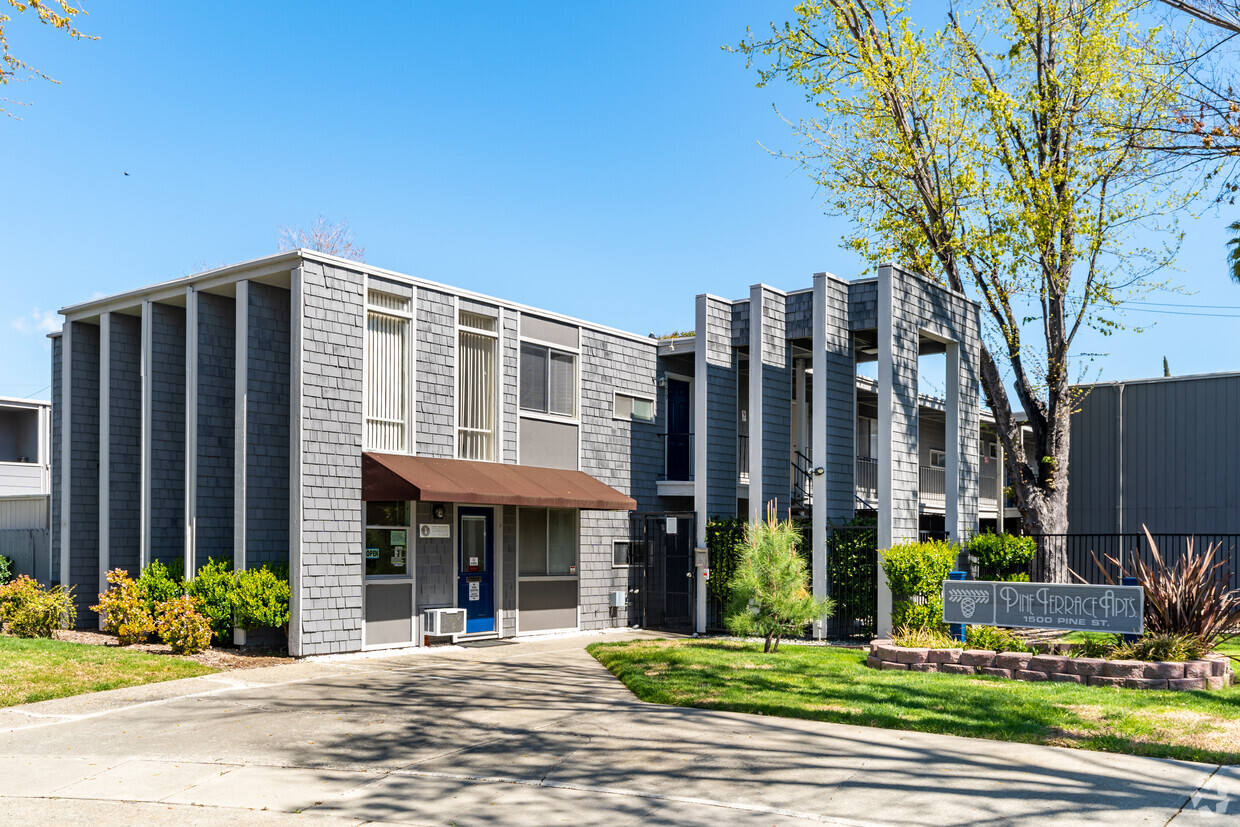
pixel 834 684
pixel 36 670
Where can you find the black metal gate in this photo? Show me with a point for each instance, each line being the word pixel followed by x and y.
pixel 661 573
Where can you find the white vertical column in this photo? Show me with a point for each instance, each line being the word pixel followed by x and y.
pixel 886 462
pixel 105 450
pixel 66 446
pixel 241 346
pixel 951 488
pixel 296 314
pixel 701 391
pixel 240 421
pixel 818 530
pixel 757 511
pixel 148 324
pixel 191 432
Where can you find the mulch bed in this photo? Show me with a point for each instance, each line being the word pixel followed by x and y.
pixel 225 658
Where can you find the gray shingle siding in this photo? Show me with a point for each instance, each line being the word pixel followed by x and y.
pixel 84 476
pixel 435 572
pixel 721 410
pixel 862 304
pixel 776 404
pixel 436 374
pixel 332 325
pixel 217 391
pixel 625 454
pixel 57 447
pixel 508 548
pixel 267 425
pixel 167 471
pixel 511 352
pixel 125 444
pixel 839 455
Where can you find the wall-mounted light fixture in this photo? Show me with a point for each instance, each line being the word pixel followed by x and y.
pixel 819 471
pixel 438 512
pixel 662 381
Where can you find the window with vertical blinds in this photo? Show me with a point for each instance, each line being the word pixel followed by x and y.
pixel 387 372
pixel 476 387
pixel 548 380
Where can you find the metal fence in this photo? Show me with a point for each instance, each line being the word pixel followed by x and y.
pixel 28 549
pixel 1091 556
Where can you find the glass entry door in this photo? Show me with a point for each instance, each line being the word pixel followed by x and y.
pixel 476 568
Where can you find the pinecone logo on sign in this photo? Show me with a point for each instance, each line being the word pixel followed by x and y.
pixel 969 599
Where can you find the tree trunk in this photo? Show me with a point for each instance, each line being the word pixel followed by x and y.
pixel 766 650
pixel 1046 517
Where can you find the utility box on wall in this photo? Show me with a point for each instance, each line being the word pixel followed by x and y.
pixel 619 599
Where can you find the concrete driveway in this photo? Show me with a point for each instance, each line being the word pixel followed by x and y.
pixel 535 733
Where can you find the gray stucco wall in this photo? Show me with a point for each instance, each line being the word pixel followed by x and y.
pixel 267 425
pixel 124 473
pixel 1173 442
pixel 330 572
pixel 217 369
pixel 167 529
pixel 436 374
pixel 84 477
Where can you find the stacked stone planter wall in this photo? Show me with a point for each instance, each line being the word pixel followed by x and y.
pixel 1213 672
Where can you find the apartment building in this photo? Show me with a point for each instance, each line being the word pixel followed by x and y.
pixel 25 484
pixel 408 447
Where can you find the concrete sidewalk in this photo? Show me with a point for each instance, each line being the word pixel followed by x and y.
pixel 535 733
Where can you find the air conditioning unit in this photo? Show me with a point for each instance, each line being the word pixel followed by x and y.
pixel 443 622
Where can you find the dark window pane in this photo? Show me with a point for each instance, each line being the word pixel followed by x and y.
pixel 532 541
pixel 387 513
pixel 387 551
pixel 534 378
pixel 620 554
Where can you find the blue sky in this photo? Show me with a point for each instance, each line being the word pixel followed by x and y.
pixel 600 160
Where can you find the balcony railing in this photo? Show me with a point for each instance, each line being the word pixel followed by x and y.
pixel 678 456
pixel 933 484
pixel 742 457
pixel 867 476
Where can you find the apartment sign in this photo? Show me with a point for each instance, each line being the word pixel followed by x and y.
pixel 1118 609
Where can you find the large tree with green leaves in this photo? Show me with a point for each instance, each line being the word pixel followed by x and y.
pixel 995 150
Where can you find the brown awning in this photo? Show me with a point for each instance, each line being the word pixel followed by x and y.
pixel 397 477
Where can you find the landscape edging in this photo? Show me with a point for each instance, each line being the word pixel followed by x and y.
pixel 1211 672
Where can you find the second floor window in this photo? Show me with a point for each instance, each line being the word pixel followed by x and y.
pixel 476 391
pixel 548 380
pixel 387 372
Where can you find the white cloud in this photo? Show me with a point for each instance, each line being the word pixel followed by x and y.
pixel 38 321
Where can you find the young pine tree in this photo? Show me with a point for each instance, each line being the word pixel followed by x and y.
pixel 770 594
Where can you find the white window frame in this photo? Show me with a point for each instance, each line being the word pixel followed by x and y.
pixel 406 421
pixel 628 556
pixel 934 452
pixel 654 406
pixel 410 536
pixel 497 395
pixel 550 348
pixel 547 550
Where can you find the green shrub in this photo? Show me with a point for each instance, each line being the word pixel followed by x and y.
pixel 158 583
pixel 998 640
pixel 920 637
pixel 1002 556
pixel 1152 647
pixel 1097 645
pixel 213 589
pixel 770 587
pixel 124 609
pixel 27 610
pixel 260 599
pixel 918 570
pixel 182 627
pixel 6 569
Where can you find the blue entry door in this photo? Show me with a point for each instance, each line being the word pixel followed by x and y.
pixel 475 581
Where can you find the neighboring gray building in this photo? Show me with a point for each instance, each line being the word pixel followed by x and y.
pixel 406 446
pixel 25 484
pixel 1164 453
